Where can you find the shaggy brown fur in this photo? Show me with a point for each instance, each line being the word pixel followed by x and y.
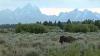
pixel 67 39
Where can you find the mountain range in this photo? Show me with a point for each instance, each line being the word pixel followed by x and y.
pixel 31 14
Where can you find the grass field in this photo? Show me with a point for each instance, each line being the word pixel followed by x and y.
pixel 47 44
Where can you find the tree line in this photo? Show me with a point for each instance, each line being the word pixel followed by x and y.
pixel 43 27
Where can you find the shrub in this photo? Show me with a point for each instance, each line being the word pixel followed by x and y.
pixel 32 28
pixel 53 28
pixel 80 28
pixel 97 23
pixel 36 28
pixel 32 54
pixel 69 27
pixel 93 28
pixel 18 28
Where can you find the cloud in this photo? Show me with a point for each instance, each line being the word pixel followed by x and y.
pixel 51 3
pixel 12 4
pixel 56 11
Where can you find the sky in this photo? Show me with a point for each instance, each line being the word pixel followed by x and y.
pixel 53 7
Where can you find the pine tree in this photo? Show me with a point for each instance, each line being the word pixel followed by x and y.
pixel 69 21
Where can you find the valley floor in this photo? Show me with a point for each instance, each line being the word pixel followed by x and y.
pixel 47 44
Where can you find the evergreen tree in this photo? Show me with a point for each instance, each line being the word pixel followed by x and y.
pixel 88 21
pixel 50 23
pixel 69 21
pixel 55 23
pixel 97 23
pixel 60 24
pixel 45 23
pixel 38 22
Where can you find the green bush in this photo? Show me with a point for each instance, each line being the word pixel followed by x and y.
pixel 32 54
pixel 69 27
pixel 80 28
pixel 32 28
pixel 93 28
pixel 97 23
pixel 18 28
pixel 53 28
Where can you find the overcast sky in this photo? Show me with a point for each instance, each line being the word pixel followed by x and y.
pixel 12 4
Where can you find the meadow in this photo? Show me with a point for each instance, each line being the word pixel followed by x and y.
pixel 42 39
pixel 47 44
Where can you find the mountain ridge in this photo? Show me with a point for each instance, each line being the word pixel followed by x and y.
pixel 31 14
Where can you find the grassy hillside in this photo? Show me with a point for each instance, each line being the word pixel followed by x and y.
pixel 47 44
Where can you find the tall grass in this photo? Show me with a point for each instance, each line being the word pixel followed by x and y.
pixel 47 44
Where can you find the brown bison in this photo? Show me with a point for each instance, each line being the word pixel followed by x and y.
pixel 67 39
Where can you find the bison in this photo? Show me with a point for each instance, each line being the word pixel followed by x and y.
pixel 67 39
